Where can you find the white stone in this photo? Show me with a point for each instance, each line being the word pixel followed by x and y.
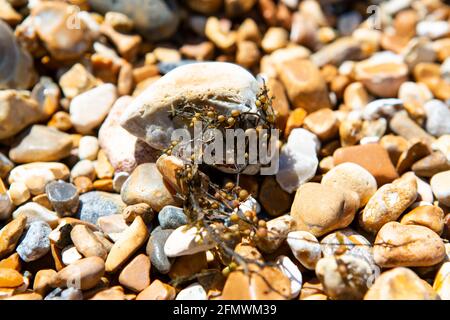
pixel 250 205
pixel 70 255
pixel 6 206
pixel 298 160
pixel 194 291
pixel 432 29
pixel 305 247
pixel 440 184
pixel 291 271
pixel 424 190
pixel 36 212
pixel 184 242
pixel 89 109
pixel 124 150
pixel 37 174
pixel 83 168
pixel 88 148
pixel 382 107
pixel 438 117
pixel 222 85
pixel 442 144
pixel 119 179
pixel 19 193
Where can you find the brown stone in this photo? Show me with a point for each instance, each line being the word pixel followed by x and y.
pixel 201 52
pixel 304 84
pixel 157 291
pixel 136 274
pixel 415 152
pixel 12 262
pixel 280 103
pixel 431 217
pixel 83 274
pixel 44 280
pixel 114 293
pixel 187 266
pixel 321 209
pixel 10 278
pixel 10 235
pixel 400 284
pixel 394 145
pixel 128 243
pixel 87 243
pixel 371 157
pixel 431 165
pixel 266 283
pixel 275 200
pixel 322 123
pixel 247 54
pixel 295 120
pixel 398 245
pixel 404 126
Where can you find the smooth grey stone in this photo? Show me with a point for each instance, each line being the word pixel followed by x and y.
pixel 35 244
pixel 96 204
pixel 438 117
pixel 154 19
pixel 155 249
pixel 65 294
pixel 64 197
pixel 171 217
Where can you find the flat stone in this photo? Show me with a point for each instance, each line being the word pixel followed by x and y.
pixel 113 225
pixel 128 243
pixel 400 284
pixel 147 116
pixel 18 111
pixel 320 209
pixel 188 266
pixel 136 274
pixel 10 235
pixel 145 185
pixel 155 19
pixel 440 184
pixel 11 262
pixel 155 249
pixel 83 274
pixel 388 203
pixel 124 150
pixel 70 255
pixel 63 197
pixel 171 217
pixel 401 245
pixel 89 109
pixel 41 143
pixel 35 244
pixel 371 157
pixel 96 204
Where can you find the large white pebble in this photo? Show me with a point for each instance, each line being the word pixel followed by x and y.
pixel 291 271
pixel 185 241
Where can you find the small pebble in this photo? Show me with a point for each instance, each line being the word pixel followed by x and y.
pixel 63 197
pixel 35 244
